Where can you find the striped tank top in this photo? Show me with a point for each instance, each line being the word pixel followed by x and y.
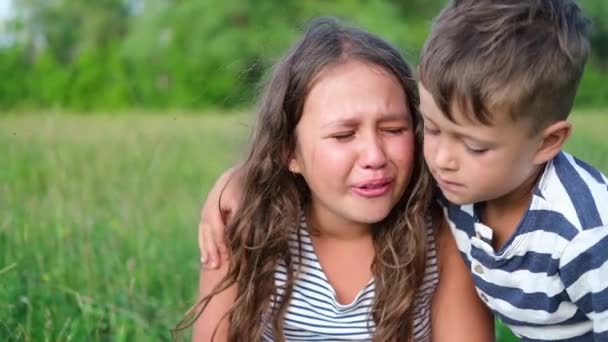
pixel 314 313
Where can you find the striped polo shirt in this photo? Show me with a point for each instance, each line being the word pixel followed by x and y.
pixel 549 282
pixel 314 313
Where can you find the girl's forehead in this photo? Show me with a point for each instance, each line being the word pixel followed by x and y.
pixel 350 65
pixel 354 114
pixel 354 82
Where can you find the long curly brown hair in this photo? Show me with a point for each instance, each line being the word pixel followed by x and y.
pixel 258 236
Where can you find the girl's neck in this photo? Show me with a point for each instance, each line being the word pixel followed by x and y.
pixel 325 224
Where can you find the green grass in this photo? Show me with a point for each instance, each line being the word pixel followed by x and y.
pixel 98 222
pixel 98 218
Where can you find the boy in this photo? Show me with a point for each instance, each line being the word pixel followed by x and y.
pixel 497 82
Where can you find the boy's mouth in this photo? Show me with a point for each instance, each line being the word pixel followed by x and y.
pixel 447 184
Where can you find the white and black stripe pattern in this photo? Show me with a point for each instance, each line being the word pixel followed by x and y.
pixel 314 314
pixel 550 280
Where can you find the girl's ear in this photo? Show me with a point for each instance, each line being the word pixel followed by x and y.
pixel 293 164
pixel 552 140
pixel 291 160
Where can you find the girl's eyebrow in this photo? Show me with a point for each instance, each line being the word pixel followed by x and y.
pixel 395 117
pixel 354 121
pixel 347 122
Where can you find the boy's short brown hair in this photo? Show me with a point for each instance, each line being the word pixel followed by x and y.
pixel 521 57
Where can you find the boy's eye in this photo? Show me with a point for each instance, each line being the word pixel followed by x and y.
pixel 431 131
pixel 476 151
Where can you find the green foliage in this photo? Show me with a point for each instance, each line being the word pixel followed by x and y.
pixel 47 81
pixel 593 90
pixel 116 54
pixel 598 13
pixel 13 88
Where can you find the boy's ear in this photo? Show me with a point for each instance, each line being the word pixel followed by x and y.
pixel 552 140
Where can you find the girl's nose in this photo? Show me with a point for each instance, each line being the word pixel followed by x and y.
pixel 373 155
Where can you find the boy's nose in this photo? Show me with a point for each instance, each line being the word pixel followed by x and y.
pixel 445 158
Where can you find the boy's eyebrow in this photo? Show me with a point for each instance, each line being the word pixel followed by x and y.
pixel 475 139
pixel 462 135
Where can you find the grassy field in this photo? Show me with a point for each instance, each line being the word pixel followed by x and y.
pixel 98 218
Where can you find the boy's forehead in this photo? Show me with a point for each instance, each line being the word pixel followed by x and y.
pixel 461 112
pixel 462 119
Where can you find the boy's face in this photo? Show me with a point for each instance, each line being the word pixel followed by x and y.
pixel 473 162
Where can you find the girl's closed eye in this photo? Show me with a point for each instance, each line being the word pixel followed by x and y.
pixel 343 136
pixel 395 130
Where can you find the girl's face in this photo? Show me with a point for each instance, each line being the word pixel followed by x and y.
pixel 355 145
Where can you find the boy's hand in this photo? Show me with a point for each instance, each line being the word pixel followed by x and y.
pixel 215 215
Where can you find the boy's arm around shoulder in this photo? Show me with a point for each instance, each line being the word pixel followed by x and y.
pixel 219 207
pixel 215 314
pixel 458 314
pixel 583 269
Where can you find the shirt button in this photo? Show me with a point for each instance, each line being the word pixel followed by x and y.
pixel 483 297
pixel 477 235
pixel 478 269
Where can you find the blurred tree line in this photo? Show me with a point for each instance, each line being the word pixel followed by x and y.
pixel 118 54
